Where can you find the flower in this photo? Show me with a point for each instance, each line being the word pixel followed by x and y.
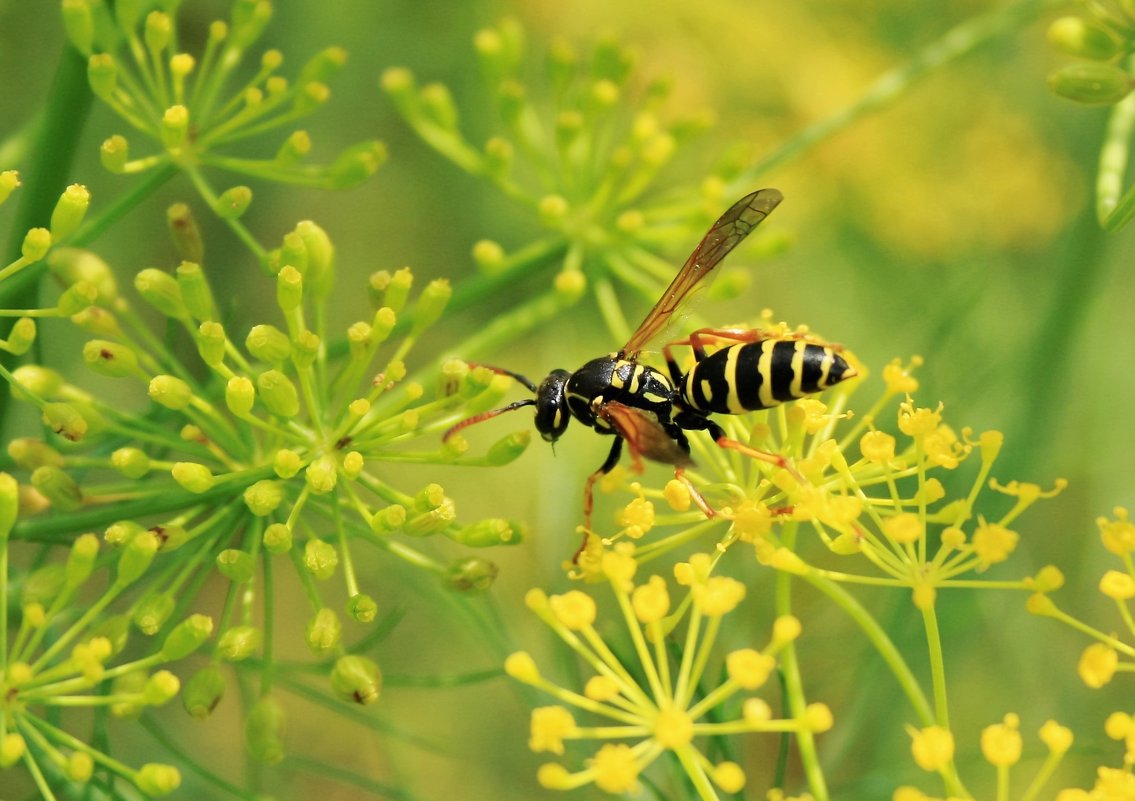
pixel 656 704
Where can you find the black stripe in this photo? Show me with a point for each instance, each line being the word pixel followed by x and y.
pixel 781 369
pixel 839 367
pixel 748 376
pixel 814 356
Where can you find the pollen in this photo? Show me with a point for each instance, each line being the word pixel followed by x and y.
pixel 549 726
pixel 673 728
pixel 651 601
pixel 574 609
pixel 718 596
pixel 904 528
pixel 993 543
pixel 1097 665
pixel 615 768
pixel 932 747
pixel 1001 742
pixel 749 668
pixel 639 514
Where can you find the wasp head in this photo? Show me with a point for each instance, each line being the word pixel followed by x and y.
pixel 552 414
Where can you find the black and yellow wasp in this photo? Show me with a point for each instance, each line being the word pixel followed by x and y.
pixel 639 405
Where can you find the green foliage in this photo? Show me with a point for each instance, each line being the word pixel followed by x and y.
pixel 240 466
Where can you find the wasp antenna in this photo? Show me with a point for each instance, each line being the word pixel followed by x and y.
pixel 501 371
pixel 483 416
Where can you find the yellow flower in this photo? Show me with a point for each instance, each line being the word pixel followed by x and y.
pixel 574 609
pixel 1097 665
pixel 1001 742
pixel 615 768
pixel 1118 535
pixel 932 747
pixel 993 543
pixel 550 724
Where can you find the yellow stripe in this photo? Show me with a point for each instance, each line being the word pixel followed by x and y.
pixel 829 360
pixel 764 367
pixel 733 402
pixel 797 385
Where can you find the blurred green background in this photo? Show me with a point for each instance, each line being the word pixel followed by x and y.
pixel 956 224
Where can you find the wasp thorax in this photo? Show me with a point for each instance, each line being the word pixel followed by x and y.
pixel 552 414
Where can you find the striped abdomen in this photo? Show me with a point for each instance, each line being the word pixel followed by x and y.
pixel 756 375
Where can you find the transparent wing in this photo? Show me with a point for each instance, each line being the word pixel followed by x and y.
pixel 643 434
pixel 724 235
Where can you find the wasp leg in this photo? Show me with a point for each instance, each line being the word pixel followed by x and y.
pixel 695 494
pixel 588 500
pixel 696 343
pixel 517 377
pixel 696 422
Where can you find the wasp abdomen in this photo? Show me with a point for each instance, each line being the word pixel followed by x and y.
pixel 748 376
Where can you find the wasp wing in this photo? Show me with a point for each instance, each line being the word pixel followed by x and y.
pixel 724 235
pixel 643 434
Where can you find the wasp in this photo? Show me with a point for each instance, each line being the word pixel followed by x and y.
pixel 651 411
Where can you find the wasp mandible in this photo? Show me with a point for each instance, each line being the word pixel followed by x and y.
pixel 650 411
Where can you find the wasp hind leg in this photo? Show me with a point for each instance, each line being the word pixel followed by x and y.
pixel 696 422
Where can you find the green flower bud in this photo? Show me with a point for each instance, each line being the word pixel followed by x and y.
pixel 43 584
pixel 429 497
pixel 37 241
pixel 186 236
pixel 293 252
pixel 289 288
pixel 237 566
pixel 1079 37
pixel 322 474
pixel 490 532
pixel 69 211
pixel 278 394
pixel 171 536
pixel 320 558
pixel 278 538
pixel 31 453
pixel 80 767
pixel 58 487
pixel 438 107
pixel 203 692
pixel 120 533
pixel 238 643
pixel 305 349
pixel 511 102
pixel 160 688
pixel 153 612
pixel 233 203
pixel 356 164
pixel 12 748
pixel 79 24
pixel 553 210
pixel 186 637
pixel 398 289
pixel 264 731
pixel 114 153
pixel 195 291
pixel 268 344
pixel 9 505
pixel 170 391
pixel 76 298
pixel 398 83
pixel 240 395
pixel 81 560
pixel 157 780
pixel 388 520
pixel 471 573
pixel 211 343
pixel 196 478
pixel 320 257
pixel 174 131
pixel 128 686
pixel 489 256
pixel 136 558
pixel 324 631
pixel 353 464
pixel 499 158
pixel 40 381
pixel 1102 84
pixel 72 266
pixel 161 291
pixel 433 521
pixel 158 31
pixel 131 462
pixel 569 125
pixel 431 304
pixel 356 678
pixel 295 147
pixel 97 321
pixel 309 97
pixel 362 608
pixel 21 337
pixel 264 497
pixel 64 420
pixel 286 463
pixel 507 449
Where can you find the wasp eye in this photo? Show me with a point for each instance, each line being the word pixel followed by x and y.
pixel 552 416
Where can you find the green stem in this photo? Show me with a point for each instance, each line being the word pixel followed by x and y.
pixel 94 227
pixel 952 45
pixel 794 683
pixel 160 736
pixel 1112 211
pixel 68 102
